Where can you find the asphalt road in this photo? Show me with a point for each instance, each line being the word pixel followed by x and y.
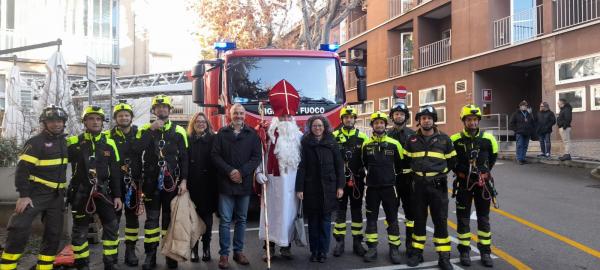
pixel 548 219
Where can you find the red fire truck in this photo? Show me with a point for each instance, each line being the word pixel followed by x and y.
pixel 247 76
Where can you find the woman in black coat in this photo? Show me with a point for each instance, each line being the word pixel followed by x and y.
pixel 319 183
pixel 202 182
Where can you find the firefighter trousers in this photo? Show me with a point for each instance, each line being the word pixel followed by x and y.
pixel 464 200
pixel 132 224
pixel 154 228
pixel 51 206
pixel 355 196
pixel 404 188
pixel 388 198
pixel 431 194
pixel 110 233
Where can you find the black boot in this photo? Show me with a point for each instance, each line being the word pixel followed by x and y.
pixel 395 254
pixel 206 251
pixel 82 264
pixel 194 257
pixel 465 258
pixel 150 260
pixel 415 257
pixel 444 261
pixel 408 242
pixel 357 246
pixel 172 264
pixel 565 157
pixel 112 266
pixel 338 250
pixel 486 260
pixel 371 254
pixel 286 252
pixel 130 258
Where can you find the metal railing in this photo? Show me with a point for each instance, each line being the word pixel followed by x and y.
pixel 521 26
pixel 399 7
pixel 74 48
pixel 496 124
pixel 435 53
pixel 357 26
pixel 573 12
pixel 398 66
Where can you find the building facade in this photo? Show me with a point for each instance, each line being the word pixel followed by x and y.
pixel 493 53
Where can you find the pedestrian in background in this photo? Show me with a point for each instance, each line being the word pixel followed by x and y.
pixel 522 123
pixel 545 121
pixel 319 183
pixel 564 127
pixel 202 182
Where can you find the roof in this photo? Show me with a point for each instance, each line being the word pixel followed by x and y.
pixel 280 52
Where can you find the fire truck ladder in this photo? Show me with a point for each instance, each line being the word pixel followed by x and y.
pixel 137 86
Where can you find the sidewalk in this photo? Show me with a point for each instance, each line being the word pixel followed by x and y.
pixel 577 162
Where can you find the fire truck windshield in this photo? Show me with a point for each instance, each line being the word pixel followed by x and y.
pixel 317 80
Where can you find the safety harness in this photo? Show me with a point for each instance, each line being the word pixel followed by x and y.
pixel 348 174
pixel 95 191
pixel 167 180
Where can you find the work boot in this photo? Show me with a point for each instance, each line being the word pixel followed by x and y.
pixel 465 258
pixel 415 258
pixel 357 246
pixel 371 254
pixel 395 254
pixel 113 266
pixel 130 258
pixel 206 252
pixel 486 260
pixel 240 258
pixel 82 264
pixel 338 250
pixel 150 260
pixel 565 157
pixel 172 264
pixel 194 256
pixel 444 261
pixel 286 252
pixel 224 262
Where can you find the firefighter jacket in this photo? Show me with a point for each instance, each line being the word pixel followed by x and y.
pixel 169 143
pixel 401 135
pixel 350 142
pixel 431 156
pixel 382 156
pixel 125 145
pixel 88 154
pixel 481 148
pixel 43 162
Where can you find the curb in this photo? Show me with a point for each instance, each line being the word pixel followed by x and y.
pixel 594 166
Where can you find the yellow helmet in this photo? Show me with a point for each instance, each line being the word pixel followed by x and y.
pixel 161 99
pixel 379 115
pixel 122 106
pixel 470 109
pixel 93 109
pixel 348 111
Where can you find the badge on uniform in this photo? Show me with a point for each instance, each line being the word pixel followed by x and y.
pixel 48 144
pixel 107 153
pixel 413 139
pixel 389 152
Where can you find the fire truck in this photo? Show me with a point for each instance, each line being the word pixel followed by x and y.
pixel 246 76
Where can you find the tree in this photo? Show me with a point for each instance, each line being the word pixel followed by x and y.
pixel 317 22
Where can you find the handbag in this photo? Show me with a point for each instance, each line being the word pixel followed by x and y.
pixel 299 232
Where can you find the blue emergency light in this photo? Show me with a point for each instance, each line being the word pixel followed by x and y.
pixel 329 47
pixel 224 46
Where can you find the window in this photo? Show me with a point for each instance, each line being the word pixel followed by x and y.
pixel 578 69
pixel 367 107
pixel 441 112
pixel 575 97
pixel 384 104
pixel 460 86
pixel 595 96
pixel 434 95
pixel 360 124
pixel 408 100
pixel 409 121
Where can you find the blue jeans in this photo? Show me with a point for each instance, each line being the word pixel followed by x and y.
pixel 522 145
pixel 319 232
pixel 545 145
pixel 236 207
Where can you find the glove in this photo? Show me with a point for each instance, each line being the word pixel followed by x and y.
pixel 261 178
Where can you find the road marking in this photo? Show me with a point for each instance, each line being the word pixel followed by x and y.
pixel 425 265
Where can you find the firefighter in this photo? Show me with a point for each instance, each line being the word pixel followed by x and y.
pixel 94 189
pixel 131 165
pixel 382 156
pixel 431 155
pixel 40 181
pixel 400 132
pixel 476 153
pixel 350 140
pixel 165 168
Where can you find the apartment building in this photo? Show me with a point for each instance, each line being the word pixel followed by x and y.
pixel 493 53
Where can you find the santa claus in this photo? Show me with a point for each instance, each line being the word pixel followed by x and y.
pixel 282 159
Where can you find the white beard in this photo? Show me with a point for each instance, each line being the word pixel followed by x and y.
pixel 287 148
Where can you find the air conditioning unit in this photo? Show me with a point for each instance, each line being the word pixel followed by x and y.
pixel 357 55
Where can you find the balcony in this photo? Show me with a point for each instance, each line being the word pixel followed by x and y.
pixel 357 26
pixel 399 7
pixel 74 48
pixel 518 27
pixel 398 66
pixel 435 53
pixel 573 12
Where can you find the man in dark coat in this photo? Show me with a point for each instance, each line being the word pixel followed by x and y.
pixel 564 126
pixel 522 123
pixel 545 121
pixel 236 153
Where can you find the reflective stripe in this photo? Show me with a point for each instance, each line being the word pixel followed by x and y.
pixel 419 238
pixel 31 159
pixel 46 182
pixel 163 232
pixel 44 267
pixel 336 231
pixel 486 242
pixel 406 171
pixel 395 243
pixel 356 232
pixel 356 224
pixel 441 240
pixel 443 248
pixel 152 239
pixel 429 174
pixel 436 155
pixel 449 155
pixel 12 257
pixel 464 235
pixel 82 255
pixel 8 266
pixel 418 245
pixel 110 242
pixel 131 230
pixel 131 237
pixel 484 234
pixel 152 231
pixel 464 242
pixel 410 223
pixel 53 162
pixel 109 252
pixel 80 248
pixel 340 226
pixel 46 258
pixel 371 237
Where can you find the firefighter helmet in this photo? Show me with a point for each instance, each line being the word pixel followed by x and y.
pixel 161 99
pixel 470 109
pixel 400 107
pixel 53 112
pixel 427 110
pixel 93 109
pixel 379 115
pixel 122 106
pixel 348 111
